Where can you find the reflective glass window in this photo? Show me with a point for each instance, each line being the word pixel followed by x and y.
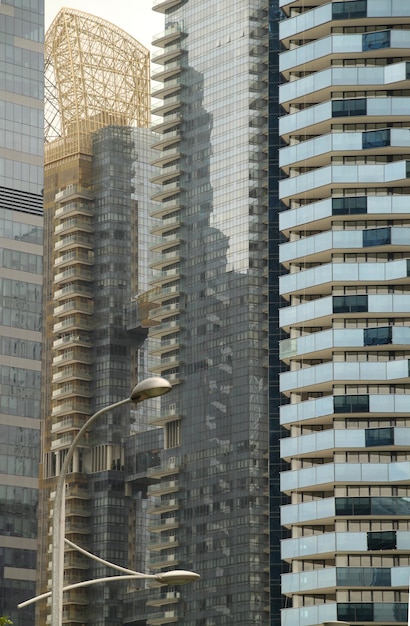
pixel 353 506
pixel 349 206
pixel 376 40
pixel 376 138
pixel 379 436
pixel 346 10
pixel 351 404
pixel 363 576
pixel 355 612
pixel 354 106
pixel 384 540
pixel 377 336
pixel 349 304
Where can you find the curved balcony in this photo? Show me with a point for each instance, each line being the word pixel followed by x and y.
pixel 327 545
pixel 162 6
pixel 169 121
pixel 72 373
pixel 160 261
pixel 318 22
pixel 72 339
pixel 72 389
pixel 167 88
pixel 330 578
pixel 320 215
pixel 368 612
pixel 74 257
pixel 73 241
pixel 168 190
pixel 321 345
pixel 73 273
pixel 163 506
pixel 173 32
pixel 74 224
pixel 322 410
pixel 319 86
pixel 159 294
pixel 166 597
pixel 323 181
pixel 74 192
pixel 169 69
pixel 66 408
pixel 322 377
pixel 173 237
pixel 322 311
pixel 161 525
pixel 167 156
pixel 67 424
pixel 321 247
pixel 76 305
pixel 63 442
pixel 164 311
pixel 325 510
pixel 168 211
pixel 165 363
pixel 169 138
pixel 319 280
pixel 166 54
pixel 73 356
pixel 317 152
pixel 163 559
pixel 317 55
pixel 73 322
pixel 169 105
pixel 325 477
pixel 165 328
pixel 168 172
pixel 172 616
pixel 74 208
pixel 325 443
pixel 74 289
pixel 319 118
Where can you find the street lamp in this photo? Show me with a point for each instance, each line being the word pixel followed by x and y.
pixel 174 577
pixel 148 388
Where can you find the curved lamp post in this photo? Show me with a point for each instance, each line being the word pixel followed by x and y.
pixel 174 577
pixel 148 388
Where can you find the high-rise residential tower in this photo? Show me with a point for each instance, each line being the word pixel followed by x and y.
pixel 97 170
pixel 346 128
pixel 21 204
pixel 210 293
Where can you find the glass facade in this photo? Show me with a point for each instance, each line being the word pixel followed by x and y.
pixel 97 234
pixel 345 312
pixel 211 278
pixel 21 234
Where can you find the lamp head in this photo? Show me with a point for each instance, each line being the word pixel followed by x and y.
pixel 177 577
pixel 150 388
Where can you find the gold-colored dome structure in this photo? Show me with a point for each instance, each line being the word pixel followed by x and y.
pixel 95 75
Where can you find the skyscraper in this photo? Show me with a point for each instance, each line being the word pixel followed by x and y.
pixel 345 96
pixel 21 202
pixel 97 170
pixel 210 293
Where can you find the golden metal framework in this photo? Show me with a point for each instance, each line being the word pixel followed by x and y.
pixel 95 75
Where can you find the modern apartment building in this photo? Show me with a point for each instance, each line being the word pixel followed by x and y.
pixel 211 304
pixel 346 129
pixel 21 237
pixel 97 171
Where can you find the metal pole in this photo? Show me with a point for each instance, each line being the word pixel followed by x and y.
pixel 57 562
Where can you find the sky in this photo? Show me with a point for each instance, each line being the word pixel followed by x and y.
pixel 134 16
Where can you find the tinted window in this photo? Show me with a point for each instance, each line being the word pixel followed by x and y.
pixel 385 540
pixel 379 437
pixel 349 304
